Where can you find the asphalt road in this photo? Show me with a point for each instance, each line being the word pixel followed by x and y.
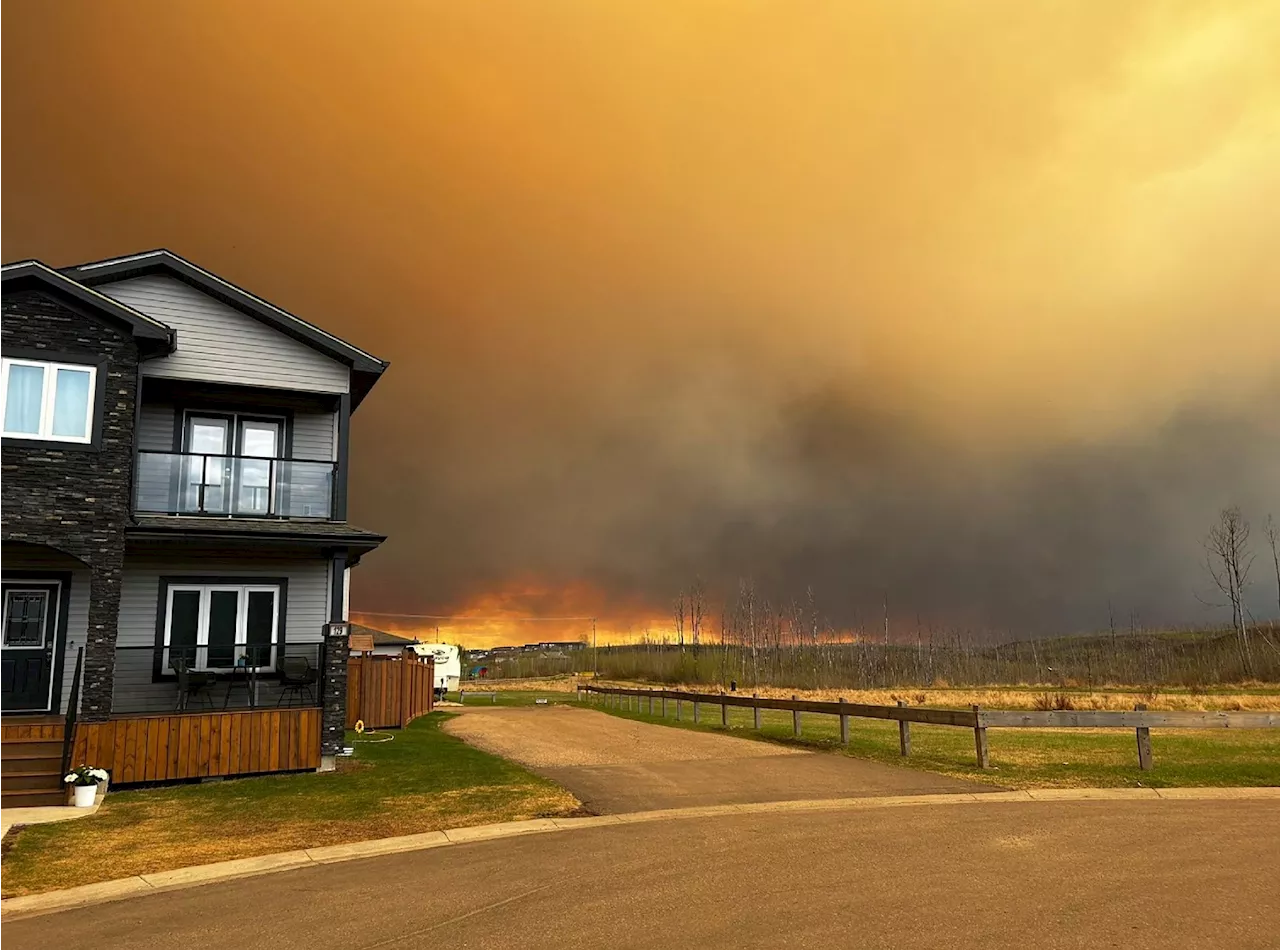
pixel 614 765
pixel 1136 875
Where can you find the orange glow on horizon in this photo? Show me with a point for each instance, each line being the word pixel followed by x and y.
pixel 530 612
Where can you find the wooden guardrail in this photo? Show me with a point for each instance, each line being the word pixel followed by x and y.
pixel 975 718
pixel 464 693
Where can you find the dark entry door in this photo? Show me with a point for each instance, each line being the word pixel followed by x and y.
pixel 30 633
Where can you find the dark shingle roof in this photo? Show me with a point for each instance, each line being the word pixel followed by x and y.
pixel 333 532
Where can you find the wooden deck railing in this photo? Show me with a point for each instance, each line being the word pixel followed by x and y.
pixel 975 718
pixel 207 744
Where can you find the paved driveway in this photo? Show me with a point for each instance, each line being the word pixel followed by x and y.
pixel 616 765
pixel 1137 875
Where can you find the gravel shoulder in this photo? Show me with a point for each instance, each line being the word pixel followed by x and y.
pixel 615 765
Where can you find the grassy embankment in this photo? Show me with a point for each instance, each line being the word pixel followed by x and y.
pixel 421 780
pixel 1022 758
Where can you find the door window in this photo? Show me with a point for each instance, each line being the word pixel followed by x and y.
pixel 206 476
pixel 24 617
pixel 259 442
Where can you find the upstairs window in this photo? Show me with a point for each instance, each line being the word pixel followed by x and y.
pixel 52 402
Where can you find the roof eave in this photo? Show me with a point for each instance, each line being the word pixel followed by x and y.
pixel 155 337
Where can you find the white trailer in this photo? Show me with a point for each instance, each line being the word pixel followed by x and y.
pixel 448 660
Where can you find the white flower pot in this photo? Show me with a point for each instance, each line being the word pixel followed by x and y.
pixel 85 795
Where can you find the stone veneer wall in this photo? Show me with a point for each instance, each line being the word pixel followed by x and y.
pixel 74 498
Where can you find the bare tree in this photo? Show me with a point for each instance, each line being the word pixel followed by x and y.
pixel 697 609
pixel 1272 531
pixel 679 612
pixel 1228 561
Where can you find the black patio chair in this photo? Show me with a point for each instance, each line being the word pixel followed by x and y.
pixel 296 679
pixel 191 683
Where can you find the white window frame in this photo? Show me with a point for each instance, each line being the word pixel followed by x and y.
pixel 48 399
pixel 242 622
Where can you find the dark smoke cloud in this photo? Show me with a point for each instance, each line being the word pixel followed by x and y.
pixel 972 306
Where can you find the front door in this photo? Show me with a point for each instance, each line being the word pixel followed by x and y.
pixel 30 634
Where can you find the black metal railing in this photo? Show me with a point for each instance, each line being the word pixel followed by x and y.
pixel 210 678
pixel 196 483
pixel 73 713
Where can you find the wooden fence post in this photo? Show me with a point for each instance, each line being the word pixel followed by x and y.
pixel 1144 742
pixel 650 700
pixel 664 704
pixel 844 725
pixel 724 714
pixel 795 717
pixel 904 732
pixel 695 711
pixel 755 711
pixel 678 704
pixel 407 658
pixel 980 740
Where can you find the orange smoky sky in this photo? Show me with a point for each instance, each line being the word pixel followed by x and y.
pixel 972 307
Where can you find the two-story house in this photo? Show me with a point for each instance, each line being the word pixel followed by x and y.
pixel 176 551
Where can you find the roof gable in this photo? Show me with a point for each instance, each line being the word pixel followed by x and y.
pixel 365 368
pixel 155 337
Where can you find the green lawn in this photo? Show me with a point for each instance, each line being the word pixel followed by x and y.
pixel 1022 758
pixel 420 780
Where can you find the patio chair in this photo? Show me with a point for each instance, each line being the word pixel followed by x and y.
pixel 297 677
pixel 191 683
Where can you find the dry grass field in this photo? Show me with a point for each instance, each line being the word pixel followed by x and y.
pixel 1252 697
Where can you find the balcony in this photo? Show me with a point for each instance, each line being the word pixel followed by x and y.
pixel 191 483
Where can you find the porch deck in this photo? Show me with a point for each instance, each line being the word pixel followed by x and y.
pixel 200 744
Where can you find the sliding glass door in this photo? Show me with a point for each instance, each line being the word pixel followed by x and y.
pixel 229 468
pixel 220 626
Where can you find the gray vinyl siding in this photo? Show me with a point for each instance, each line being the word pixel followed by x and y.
pixel 218 343
pixel 306 612
pixel 39 559
pixel 314 436
pixel 77 632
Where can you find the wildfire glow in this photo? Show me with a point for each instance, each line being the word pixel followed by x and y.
pixel 529 612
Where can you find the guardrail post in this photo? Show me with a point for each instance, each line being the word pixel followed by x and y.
pixel 678 705
pixel 462 697
pixel 493 697
pixel 795 716
pixel 650 700
pixel 695 711
pixel 844 724
pixel 980 740
pixel 904 733
pixel 1144 742
pixel 664 704
pixel 755 711
pixel 724 715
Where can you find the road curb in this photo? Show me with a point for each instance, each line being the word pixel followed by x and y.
pixel 181 878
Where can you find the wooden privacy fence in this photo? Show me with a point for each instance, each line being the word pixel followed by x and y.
pixel 975 718
pixel 388 692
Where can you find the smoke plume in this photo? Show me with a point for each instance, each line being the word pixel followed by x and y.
pixel 969 309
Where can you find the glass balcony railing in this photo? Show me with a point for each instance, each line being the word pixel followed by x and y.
pixel 189 483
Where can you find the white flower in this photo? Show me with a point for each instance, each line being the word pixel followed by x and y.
pixel 70 778
pixel 99 774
